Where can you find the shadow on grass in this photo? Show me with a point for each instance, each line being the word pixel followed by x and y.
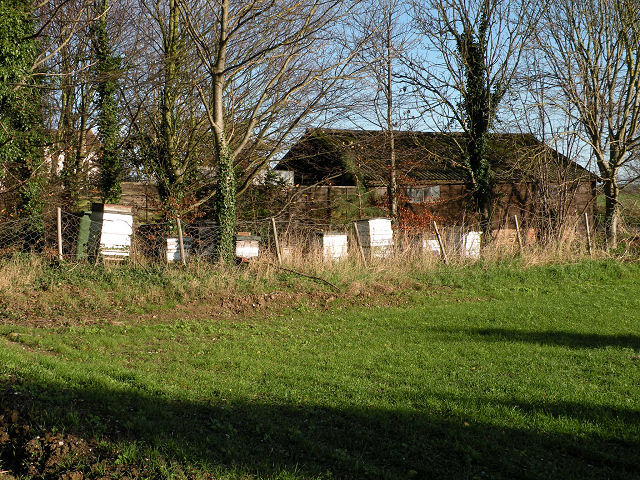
pixel 273 440
pixel 550 337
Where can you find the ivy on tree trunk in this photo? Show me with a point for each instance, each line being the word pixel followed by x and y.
pixel 107 69
pixel 479 104
pixel 611 211
pixel 225 203
pixel 22 134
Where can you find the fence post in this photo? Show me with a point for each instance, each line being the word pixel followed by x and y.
pixel 443 254
pixel 180 241
pixel 515 217
pixel 359 243
pixel 134 254
pixel 275 237
pixel 586 226
pixel 59 228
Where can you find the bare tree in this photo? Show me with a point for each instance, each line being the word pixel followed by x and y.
pixel 168 123
pixel 84 43
pixel 269 67
pixel 532 107
pixel 382 29
pixel 592 50
pixel 473 51
pixel 71 99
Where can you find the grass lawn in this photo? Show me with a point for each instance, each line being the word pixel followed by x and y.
pixel 487 372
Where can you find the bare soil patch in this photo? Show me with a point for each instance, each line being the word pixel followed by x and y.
pixel 29 451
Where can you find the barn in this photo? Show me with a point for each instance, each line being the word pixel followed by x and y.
pixel 531 180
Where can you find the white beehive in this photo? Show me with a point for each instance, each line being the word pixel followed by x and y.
pixel 287 252
pixel 467 245
pixel 335 246
pixel 431 245
pixel 114 226
pixel 173 248
pixel 247 246
pixel 471 244
pixel 376 237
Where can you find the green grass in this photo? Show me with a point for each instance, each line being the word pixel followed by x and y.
pixel 489 372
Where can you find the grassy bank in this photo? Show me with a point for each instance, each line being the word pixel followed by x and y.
pixel 484 371
pixel 34 289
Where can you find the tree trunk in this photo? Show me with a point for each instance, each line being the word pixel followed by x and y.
pixel 107 68
pixel 66 135
pixel 171 188
pixel 485 220
pixel 81 170
pixel 225 204
pixel 480 104
pixel 393 187
pixel 481 184
pixel 611 212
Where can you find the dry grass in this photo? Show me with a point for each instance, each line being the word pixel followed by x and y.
pixel 411 255
pixel 19 272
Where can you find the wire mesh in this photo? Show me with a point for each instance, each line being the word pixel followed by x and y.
pixel 89 237
pixel 34 234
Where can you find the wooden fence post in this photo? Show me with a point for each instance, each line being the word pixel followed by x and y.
pixel 443 254
pixel 59 228
pixel 586 226
pixel 359 243
pixel 134 254
pixel 181 242
pixel 515 217
pixel 275 237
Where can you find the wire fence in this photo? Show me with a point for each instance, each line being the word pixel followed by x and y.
pixel 115 237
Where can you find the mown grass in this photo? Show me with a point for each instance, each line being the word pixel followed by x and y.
pixel 490 371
